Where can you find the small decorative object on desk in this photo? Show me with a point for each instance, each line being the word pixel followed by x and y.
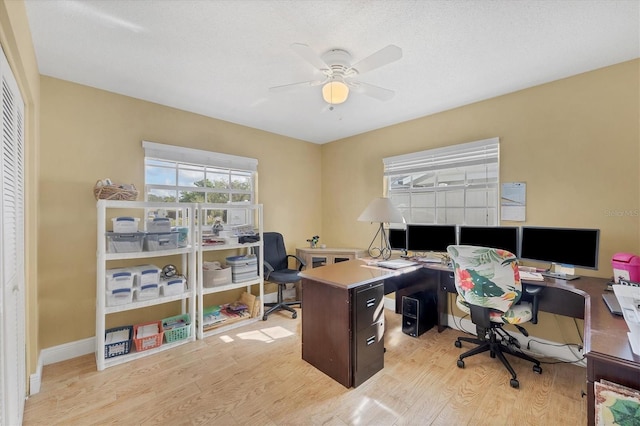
pixel 313 241
pixel 106 190
pixel 217 226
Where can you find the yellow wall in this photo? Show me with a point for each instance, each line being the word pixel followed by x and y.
pixel 575 142
pixel 17 45
pixel 90 134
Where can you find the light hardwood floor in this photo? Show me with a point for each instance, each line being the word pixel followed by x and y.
pixel 255 375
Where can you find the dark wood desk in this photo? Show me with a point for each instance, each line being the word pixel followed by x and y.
pixel 343 320
pixel 606 347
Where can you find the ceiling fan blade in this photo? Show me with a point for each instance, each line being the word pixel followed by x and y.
pixel 382 57
pixel 371 90
pixel 286 87
pixel 309 55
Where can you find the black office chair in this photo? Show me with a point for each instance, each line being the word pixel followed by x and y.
pixel 489 288
pixel 276 270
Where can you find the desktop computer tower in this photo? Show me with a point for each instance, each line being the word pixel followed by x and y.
pixel 419 313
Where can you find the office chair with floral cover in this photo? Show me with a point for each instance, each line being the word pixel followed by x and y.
pixel 489 288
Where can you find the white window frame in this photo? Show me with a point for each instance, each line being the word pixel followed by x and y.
pixel 182 159
pixel 477 166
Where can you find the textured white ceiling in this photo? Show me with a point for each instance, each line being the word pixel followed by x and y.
pixel 218 58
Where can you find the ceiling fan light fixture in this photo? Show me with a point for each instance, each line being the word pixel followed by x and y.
pixel 335 92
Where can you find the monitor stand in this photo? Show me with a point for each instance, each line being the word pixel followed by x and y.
pixel 560 276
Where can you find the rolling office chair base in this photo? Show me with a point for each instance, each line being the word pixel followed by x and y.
pixel 281 305
pixel 497 348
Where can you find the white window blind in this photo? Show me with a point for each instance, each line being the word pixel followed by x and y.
pixel 196 156
pixel 457 184
pixel 177 174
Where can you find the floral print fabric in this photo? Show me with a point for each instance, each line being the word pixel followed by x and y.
pixel 489 278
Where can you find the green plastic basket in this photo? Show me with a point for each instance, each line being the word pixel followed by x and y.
pixel 176 328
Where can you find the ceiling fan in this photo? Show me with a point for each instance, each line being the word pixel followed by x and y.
pixel 340 75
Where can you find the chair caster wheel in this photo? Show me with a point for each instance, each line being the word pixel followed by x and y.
pixel 537 369
pixel 492 354
pixel 294 315
pixel 458 344
pixel 264 318
pixel 514 383
pixel 460 363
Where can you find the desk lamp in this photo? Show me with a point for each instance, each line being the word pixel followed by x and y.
pixel 381 210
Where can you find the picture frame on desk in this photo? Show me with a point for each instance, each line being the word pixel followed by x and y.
pixel 615 404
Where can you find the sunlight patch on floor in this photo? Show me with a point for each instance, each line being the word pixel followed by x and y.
pixel 365 407
pixel 266 335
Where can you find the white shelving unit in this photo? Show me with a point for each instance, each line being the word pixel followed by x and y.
pixel 253 214
pixel 106 209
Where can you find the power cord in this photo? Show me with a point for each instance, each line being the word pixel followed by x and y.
pixel 458 326
pixel 568 345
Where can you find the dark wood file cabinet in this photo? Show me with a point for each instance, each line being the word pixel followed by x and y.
pixel 343 330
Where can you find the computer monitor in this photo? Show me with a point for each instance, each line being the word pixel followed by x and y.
pixel 424 238
pixel 500 237
pixel 398 239
pixel 566 246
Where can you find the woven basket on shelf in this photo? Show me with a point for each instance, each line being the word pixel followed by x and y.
pixel 114 192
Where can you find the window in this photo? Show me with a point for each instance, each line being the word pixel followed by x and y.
pixel 453 185
pixel 185 175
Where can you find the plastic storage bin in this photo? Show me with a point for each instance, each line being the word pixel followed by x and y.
pixel 118 278
pixel 213 274
pixel 159 224
pixel 145 274
pixel 117 347
pixel 183 236
pixel 124 243
pixel 125 224
pixel 161 241
pixel 173 286
pixel 626 266
pixel 147 292
pixel 151 339
pixel 120 296
pixel 176 328
pixel 243 268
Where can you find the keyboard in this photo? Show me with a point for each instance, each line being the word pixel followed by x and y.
pixel 428 259
pixel 396 263
pixel 612 303
pixel 565 277
pixel 531 276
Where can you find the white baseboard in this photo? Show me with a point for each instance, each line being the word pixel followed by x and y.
pixel 287 294
pixel 59 353
pixel 390 303
pixel 35 380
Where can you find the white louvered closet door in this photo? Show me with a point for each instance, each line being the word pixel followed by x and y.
pixel 12 296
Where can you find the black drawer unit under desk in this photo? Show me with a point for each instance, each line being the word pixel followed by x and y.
pixel 368 331
pixel 343 329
